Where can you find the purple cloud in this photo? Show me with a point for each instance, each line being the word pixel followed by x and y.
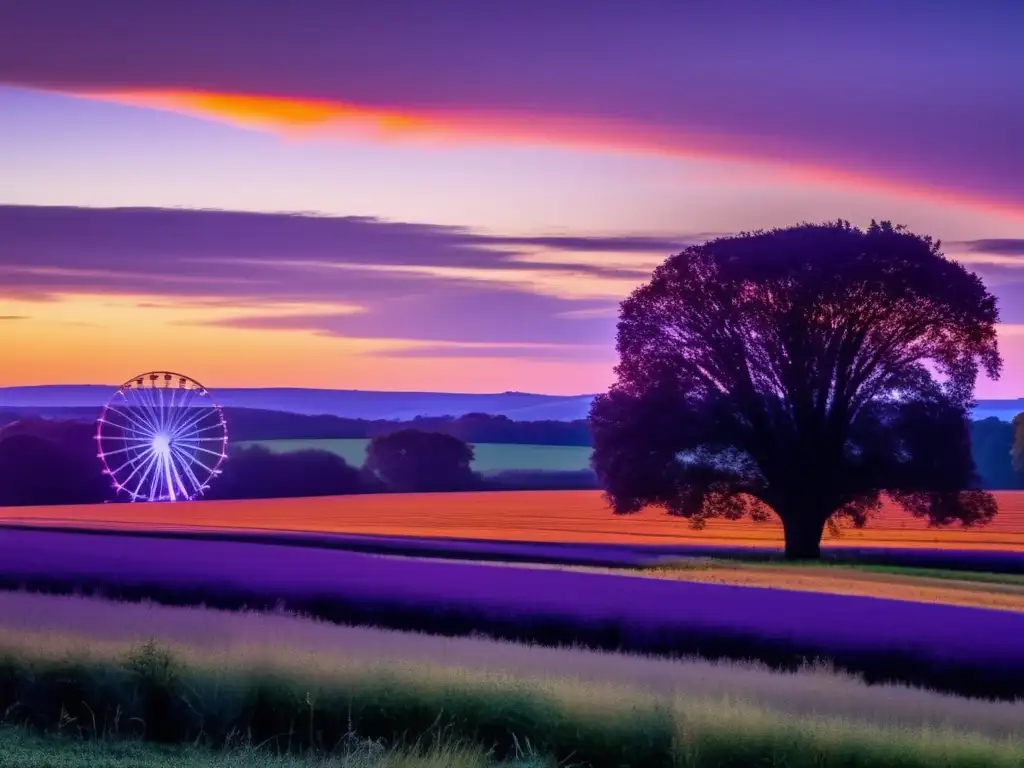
pixel 245 260
pixel 999 246
pixel 917 92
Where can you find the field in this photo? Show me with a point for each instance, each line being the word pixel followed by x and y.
pixel 75 665
pixel 726 641
pixel 580 517
pixel 964 650
pixel 490 457
pixel 62 623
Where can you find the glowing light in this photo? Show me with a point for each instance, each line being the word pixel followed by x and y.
pixel 161 438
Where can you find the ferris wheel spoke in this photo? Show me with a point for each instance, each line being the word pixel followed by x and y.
pixel 147 468
pixel 187 470
pixel 200 439
pixel 154 480
pixel 129 434
pixel 182 412
pixel 165 460
pixel 138 458
pixel 172 462
pixel 139 420
pixel 197 460
pixel 141 423
pixel 130 449
pixel 138 441
pixel 206 450
pixel 196 421
pixel 148 399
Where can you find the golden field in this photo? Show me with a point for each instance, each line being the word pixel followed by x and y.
pixel 535 516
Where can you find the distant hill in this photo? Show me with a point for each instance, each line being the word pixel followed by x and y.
pixel 351 404
pixel 76 401
pixel 245 424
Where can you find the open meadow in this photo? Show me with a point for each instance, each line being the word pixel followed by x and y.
pixel 489 457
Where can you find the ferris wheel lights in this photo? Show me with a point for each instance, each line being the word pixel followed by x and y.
pixel 160 443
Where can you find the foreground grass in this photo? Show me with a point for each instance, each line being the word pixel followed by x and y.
pixel 22 749
pixel 56 626
pixel 151 693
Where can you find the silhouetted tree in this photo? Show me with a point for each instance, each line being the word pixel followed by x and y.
pixel 411 460
pixel 255 472
pixel 802 370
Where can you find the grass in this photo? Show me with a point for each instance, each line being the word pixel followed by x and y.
pixel 490 457
pixel 290 708
pixel 1000 591
pixel 20 748
pixel 941 573
pixel 59 626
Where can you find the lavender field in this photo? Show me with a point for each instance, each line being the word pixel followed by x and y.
pixel 963 650
pixel 610 555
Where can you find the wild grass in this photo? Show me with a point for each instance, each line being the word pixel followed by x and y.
pixel 20 748
pixel 151 693
pixel 56 627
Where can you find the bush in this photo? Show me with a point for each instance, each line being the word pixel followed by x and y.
pixel 256 472
pixel 413 461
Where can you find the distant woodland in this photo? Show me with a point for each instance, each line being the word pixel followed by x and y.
pixel 47 461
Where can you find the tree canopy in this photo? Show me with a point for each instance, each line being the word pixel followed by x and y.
pixel 805 371
pixel 412 460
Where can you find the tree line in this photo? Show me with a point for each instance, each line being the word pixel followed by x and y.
pixel 252 424
pixel 45 461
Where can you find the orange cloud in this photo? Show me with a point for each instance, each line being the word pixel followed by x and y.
pixel 298 118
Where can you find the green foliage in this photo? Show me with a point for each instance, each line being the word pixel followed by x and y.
pixel 296 711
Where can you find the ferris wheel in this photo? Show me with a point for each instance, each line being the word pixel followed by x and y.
pixel 161 438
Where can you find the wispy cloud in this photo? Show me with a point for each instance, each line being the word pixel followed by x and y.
pixel 418 290
pixel 995 247
pixel 789 88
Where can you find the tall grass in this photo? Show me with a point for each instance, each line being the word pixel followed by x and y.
pixel 58 625
pixel 22 749
pixel 153 694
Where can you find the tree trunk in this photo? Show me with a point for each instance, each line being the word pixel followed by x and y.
pixel 803 535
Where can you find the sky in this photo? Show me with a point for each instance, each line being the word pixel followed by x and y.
pixel 455 196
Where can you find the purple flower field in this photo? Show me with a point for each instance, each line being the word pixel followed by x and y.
pixel 598 555
pixel 959 649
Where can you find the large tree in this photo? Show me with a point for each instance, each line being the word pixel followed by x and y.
pixel 806 371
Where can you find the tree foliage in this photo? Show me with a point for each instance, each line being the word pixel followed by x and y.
pixel 255 472
pixel 412 460
pixel 803 371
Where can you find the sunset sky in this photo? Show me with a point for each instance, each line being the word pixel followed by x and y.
pixel 454 195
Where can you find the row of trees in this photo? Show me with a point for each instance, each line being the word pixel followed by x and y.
pixel 46 461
